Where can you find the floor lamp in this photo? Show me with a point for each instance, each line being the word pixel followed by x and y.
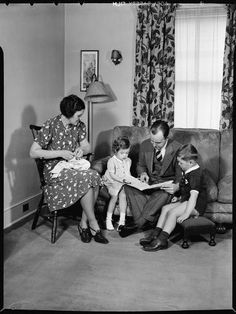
pixel 96 93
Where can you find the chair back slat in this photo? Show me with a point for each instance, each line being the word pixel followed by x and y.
pixel 34 129
pixel 39 162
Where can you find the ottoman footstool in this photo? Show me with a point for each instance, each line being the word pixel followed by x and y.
pixel 197 226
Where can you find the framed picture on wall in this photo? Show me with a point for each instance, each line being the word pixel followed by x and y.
pixel 88 67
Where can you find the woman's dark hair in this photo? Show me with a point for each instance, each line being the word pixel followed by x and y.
pixel 70 104
pixel 187 152
pixel 120 143
pixel 160 125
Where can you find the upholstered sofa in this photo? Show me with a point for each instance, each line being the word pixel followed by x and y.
pixel 215 149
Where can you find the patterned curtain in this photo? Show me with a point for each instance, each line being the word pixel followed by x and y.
pixel 226 121
pixel 155 61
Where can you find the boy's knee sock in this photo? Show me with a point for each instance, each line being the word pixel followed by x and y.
pixel 156 231
pixel 163 236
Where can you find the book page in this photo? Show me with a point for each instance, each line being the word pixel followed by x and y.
pixel 136 183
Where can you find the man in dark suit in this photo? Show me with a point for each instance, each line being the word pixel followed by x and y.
pixel 157 163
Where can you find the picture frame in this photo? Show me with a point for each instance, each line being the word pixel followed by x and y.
pixel 89 60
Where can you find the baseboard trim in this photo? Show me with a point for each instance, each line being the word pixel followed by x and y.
pixel 14 214
pixel 20 222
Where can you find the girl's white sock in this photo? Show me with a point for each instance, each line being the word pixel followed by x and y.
pixel 122 219
pixel 109 224
pixel 109 216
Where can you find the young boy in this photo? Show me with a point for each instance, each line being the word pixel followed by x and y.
pixel 193 200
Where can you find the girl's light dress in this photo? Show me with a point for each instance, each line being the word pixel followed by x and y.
pixel 120 168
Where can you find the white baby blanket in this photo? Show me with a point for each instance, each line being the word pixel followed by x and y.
pixel 78 164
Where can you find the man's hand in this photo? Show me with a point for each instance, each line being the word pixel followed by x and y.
pixel 171 188
pixel 183 217
pixel 144 177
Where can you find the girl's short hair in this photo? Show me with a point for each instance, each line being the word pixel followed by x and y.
pixel 70 104
pixel 120 143
pixel 187 152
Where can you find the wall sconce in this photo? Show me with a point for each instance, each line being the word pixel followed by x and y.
pixel 116 56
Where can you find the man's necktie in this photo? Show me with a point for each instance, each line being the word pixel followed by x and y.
pixel 158 155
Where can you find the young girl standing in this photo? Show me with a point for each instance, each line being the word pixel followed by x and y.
pixel 193 199
pixel 118 168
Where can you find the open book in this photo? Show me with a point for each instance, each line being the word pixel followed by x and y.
pixel 136 183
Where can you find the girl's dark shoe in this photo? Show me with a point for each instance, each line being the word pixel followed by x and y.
pixel 98 236
pixel 120 227
pixel 85 234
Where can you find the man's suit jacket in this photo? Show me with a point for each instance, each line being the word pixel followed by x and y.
pixel 170 169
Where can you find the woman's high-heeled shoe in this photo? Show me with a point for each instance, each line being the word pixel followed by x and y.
pixel 85 234
pixel 98 236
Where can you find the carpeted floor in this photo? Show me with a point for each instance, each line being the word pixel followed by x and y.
pixel 120 276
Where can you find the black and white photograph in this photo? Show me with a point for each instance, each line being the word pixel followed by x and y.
pixel 117 136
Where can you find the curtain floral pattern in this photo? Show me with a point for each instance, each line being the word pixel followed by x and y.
pixel 155 61
pixel 226 121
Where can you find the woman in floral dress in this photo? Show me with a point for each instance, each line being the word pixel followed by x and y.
pixel 62 138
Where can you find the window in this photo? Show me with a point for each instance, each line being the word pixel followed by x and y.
pixel 200 36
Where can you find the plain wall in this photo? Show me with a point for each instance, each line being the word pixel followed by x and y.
pixel 102 27
pixel 42 45
pixel 32 39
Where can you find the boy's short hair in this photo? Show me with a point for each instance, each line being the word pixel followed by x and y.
pixel 120 143
pixel 187 152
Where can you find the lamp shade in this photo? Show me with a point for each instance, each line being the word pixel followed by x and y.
pixel 96 92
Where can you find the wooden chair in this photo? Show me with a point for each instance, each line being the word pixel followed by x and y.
pixel 42 209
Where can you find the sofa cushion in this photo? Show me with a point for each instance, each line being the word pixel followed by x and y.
pixel 225 190
pixel 212 190
pixel 219 212
pixel 100 165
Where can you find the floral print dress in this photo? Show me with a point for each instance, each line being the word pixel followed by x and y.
pixel 71 184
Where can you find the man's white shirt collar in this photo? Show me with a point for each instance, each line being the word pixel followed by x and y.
pixel 163 150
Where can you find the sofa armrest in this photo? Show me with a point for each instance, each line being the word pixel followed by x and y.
pixel 100 165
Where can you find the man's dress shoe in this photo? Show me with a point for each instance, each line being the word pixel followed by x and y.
pixel 156 245
pixel 153 235
pixel 125 231
pixel 147 240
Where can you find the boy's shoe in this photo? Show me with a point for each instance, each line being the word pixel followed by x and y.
pixel 109 225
